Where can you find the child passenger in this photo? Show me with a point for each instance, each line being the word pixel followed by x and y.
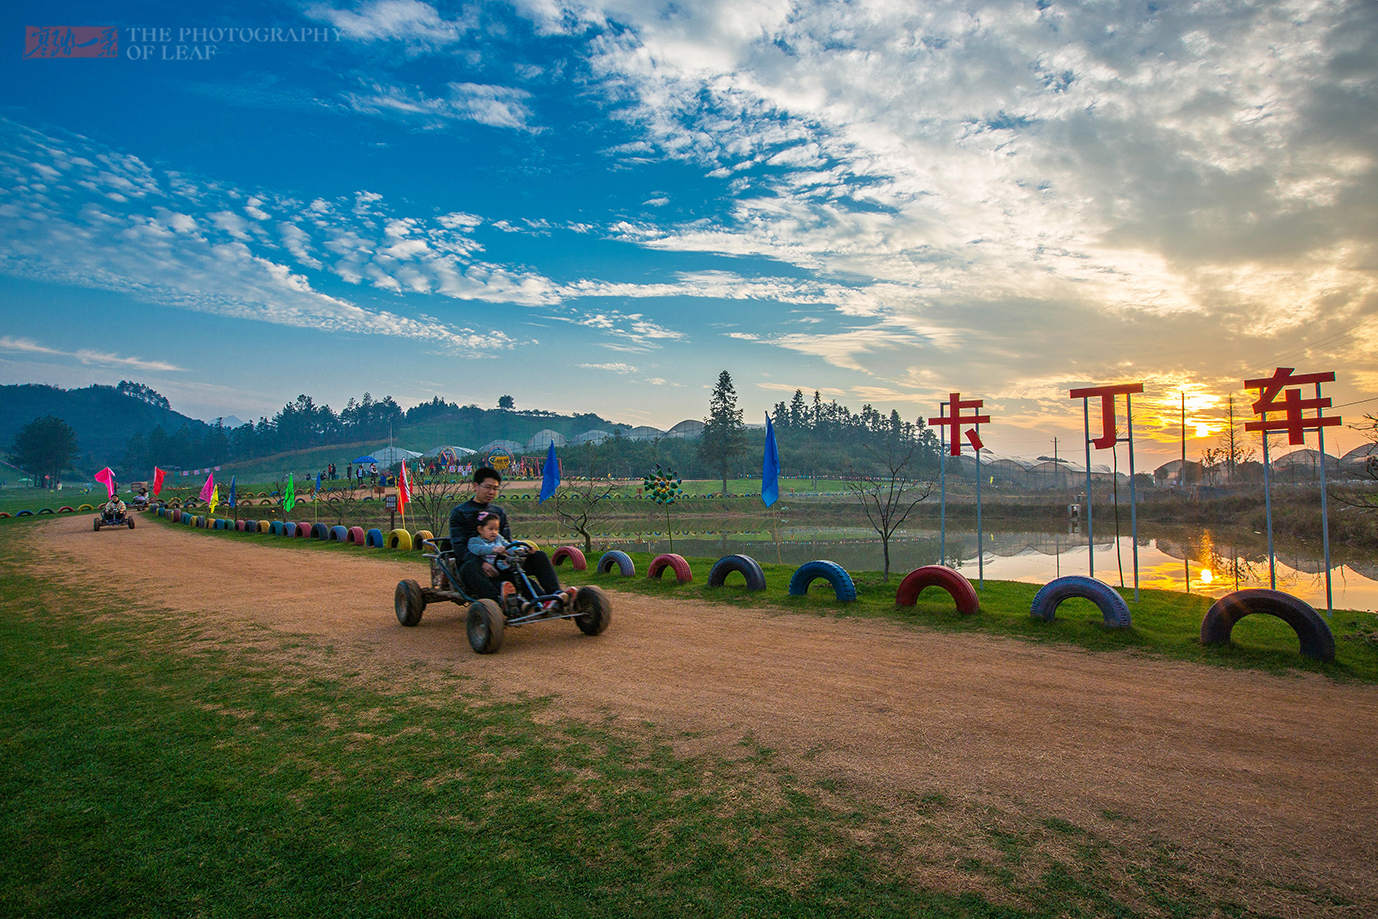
pixel 489 543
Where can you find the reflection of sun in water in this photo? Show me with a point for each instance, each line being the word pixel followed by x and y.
pixel 1206 576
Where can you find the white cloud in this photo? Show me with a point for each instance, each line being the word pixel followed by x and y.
pixel 86 356
pixel 613 368
pixel 410 21
pixel 497 106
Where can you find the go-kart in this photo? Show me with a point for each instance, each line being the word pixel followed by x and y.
pixel 112 519
pixel 486 621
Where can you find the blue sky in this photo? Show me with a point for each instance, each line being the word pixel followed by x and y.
pixel 597 206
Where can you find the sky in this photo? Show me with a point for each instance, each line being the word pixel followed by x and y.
pixel 599 206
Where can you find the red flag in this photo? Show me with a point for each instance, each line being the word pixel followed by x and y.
pixel 107 478
pixel 157 480
pixel 403 490
pixel 974 438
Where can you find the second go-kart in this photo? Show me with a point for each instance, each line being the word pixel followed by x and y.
pixel 486 621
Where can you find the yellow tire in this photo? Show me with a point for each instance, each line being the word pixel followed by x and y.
pixel 418 540
pixel 399 539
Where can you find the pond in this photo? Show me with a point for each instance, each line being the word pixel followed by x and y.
pixel 1207 561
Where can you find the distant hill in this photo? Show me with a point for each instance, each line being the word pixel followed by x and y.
pixel 103 417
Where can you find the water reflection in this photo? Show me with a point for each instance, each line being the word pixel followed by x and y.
pixel 1208 562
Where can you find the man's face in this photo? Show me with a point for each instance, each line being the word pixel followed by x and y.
pixel 487 490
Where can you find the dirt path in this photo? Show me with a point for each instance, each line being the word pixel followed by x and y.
pixel 1276 775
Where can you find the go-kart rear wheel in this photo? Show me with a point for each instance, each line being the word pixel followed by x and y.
pixel 485 626
pixel 594 609
pixel 408 602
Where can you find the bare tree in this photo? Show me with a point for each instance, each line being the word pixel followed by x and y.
pixel 1363 495
pixel 888 494
pixel 580 507
pixel 434 496
pixel 339 498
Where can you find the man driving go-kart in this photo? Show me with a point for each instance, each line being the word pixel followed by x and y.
pixel 479 575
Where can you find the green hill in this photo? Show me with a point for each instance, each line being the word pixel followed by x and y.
pixel 103 417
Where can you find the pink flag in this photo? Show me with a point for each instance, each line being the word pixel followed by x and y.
pixel 209 488
pixel 107 478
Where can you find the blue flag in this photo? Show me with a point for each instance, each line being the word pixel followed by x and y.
pixel 550 476
pixel 770 467
pixel 318 483
pixel 231 501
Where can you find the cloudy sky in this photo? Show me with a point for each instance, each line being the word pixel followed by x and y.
pixel 597 206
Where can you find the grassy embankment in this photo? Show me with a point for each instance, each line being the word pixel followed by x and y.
pixel 151 766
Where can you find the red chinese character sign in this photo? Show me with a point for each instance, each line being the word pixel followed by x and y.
pixel 1292 406
pixel 1109 438
pixel 957 421
pixel 1294 421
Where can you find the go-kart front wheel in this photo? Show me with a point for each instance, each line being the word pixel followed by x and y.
pixel 95 525
pixel 485 625
pixel 594 609
pixel 130 521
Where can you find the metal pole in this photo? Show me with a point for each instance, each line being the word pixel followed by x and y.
pixel 1325 518
pixel 1268 506
pixel 1090 529
pixel 1133 502
pixel 942 479
pixel 980 537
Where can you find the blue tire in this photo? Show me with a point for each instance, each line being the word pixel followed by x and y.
pixel 374 539
pixel 1112 605
pixel 745 564
pixel 339 534
pixel 277 528
pixel 622 560
pixel 320 531
pixel 831 572
pixel 289 529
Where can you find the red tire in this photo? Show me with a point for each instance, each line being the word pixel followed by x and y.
pixel 955 583
pixel 575 556
pixel 674 562
pixel 357 535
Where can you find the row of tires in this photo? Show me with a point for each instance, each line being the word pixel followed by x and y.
pixel 1314 635
pixel 398 539
pixel 1316 639
pixel 46 510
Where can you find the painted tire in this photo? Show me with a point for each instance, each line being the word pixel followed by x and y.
pixel 355 536
pixel 65 510
pixel 745 564
pixel 289 529
pixel 575 556
pixel 320 531
pixel 374 539
pixel 86 507
pixel 674 562
pixel 954 582
pixel 175 502
pixel 399 539
pixel 831 572
pixel 418 539
pixel 1317 642
pixel 303 530
pixel 1112 605
pixel 4 515
pixel 186 518
pixel 622 560
pixel 239 526
pixel 277 528
pixel 24 514
pixel 45 510
pixel 339 534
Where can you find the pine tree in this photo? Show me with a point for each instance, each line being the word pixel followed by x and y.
pixel 724 434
